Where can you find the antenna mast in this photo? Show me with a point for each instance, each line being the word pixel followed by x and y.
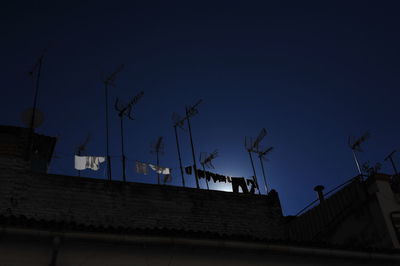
pixel 38 67
pixel 390 158
pixel 109 81
pixel 82 148
pixel 191 111
pixel 261 156
pixel 252 147
pixel 206 160
pixel 178 122
pixel 158 148
pixel 355 145
pixel 125 110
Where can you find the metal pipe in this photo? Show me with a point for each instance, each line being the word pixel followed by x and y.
pixel 319 189
pixel 107 145
pixel 193 154
pixel 254 171
pixel 204 170
pixel 356 160
pixel 179 155
pixel 263 171
pixel 123 150
pixel 158 164
pixel 31 126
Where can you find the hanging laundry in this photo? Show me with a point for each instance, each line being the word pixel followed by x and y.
pixel 141 168
pixel 188 170
pixel 210 175
pixel 221 178
pixel 239 182
pixel 253 185
pixel 255 182
pixel 200 174
pixel 167 178
pixel 160 170
pixel 88 162
pixel 215 178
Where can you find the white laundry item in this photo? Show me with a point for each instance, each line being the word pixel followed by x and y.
pixel 141 168
pixel 88 162
pixel 160 170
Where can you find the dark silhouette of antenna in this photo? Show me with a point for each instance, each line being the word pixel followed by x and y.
pixel 206 160
pixel 190 112
pixel 157 148
pixel 390 158
pixel 82 148
pixel 261 156
pixel 355 145
pixel 252 147
pixel 125 110
pixel 178 122
pixel 36 69
pixel 109 81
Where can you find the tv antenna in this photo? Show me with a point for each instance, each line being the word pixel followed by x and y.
pixel 355 145
pixel 82 148
pixel 261 156
pixel 125 110
pixel 206 160
pixel 178 122
pixel 109 81
pixel 190 112
pixel 158 148
pixel 390 158
pixel 252 146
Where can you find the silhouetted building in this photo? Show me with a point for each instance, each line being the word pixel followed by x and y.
pixel 362 213
pixel 49 219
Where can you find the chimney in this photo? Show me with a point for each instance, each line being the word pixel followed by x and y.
pixel 319 190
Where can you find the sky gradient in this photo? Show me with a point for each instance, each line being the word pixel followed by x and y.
pixel 311 73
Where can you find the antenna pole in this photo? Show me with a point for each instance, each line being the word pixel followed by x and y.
pixel 193 154
pixel 79 171
pixel 265 180
pixel 390 157
pixel 179 155
pixel 122 149
pixel 356 160
pixel 204 169
pixel 254 171
pixel 158 162
pixel 31 126
pixel 107 143
pixel 36 92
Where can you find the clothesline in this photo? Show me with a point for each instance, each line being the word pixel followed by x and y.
pixel 94 163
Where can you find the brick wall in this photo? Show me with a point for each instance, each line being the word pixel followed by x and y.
pixel 103 204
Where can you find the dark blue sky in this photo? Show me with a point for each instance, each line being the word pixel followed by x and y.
pixel 311 73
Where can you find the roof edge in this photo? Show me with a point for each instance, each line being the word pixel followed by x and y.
pixel 213 243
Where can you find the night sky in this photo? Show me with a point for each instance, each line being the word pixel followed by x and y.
pixel 311 73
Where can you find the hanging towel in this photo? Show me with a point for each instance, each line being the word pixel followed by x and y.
pixel 239 182
pixel 160 170
pixel 167 178
pixel 252 184
pixel 141 168
pixel 200 174
pixel 188 170
pixel 88 162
